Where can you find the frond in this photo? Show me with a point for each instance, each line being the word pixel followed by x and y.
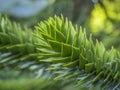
pixel 72 55
pixel 16 44
pixel 65 49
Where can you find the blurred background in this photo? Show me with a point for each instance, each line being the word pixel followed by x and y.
pixel 99 17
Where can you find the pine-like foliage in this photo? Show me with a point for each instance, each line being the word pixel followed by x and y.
pixel 64 48
pixel 72 56
pixel 16 45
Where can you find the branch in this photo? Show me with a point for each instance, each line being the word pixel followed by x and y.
pixel 73 56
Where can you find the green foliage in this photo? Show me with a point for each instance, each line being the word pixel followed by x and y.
pixel 16 44
pixel 72 56
pixel 30 84
pixel 64 48
pixel 36 84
